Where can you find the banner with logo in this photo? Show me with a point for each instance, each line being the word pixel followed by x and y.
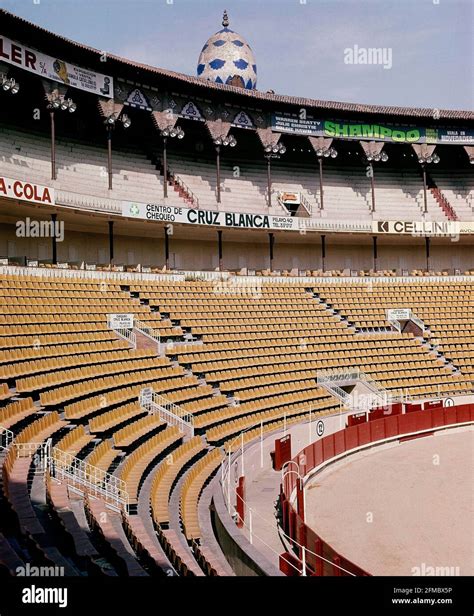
pixel 55 69
pixel 168 214
pixel 26 191
pixel 307 125
pixel 443 228
pixel 180 215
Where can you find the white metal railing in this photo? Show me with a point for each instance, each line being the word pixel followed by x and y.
pixel 75 472
pixel 88 478
pixel 169 412
pixel 180 276
pixel 127 334
pixel 6 438
pixel 27 450
pixel 396 325
pixel 306 204
pixel 228 485
pixel 149 332
pixel 342 395
pixel 417 321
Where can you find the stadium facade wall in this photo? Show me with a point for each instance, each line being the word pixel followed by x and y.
pixel 202 254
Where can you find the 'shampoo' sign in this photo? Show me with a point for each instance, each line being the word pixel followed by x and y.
pixel 168 214
pixel 26 191
pixel 53 68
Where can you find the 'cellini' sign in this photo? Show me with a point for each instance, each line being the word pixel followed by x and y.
pixel 26 191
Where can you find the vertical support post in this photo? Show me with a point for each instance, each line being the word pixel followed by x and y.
pixel 53 145
pixel 372 186
pixel 374 242
pixel 427 249
pixel 323 252
pixel 109 155
pixel 228 482
pixel 425 197
pixel 111 242
pixel 53 239
pixel 165 169
pixel 318 549
pixel 219 244
pixel 271 239
pixel 167 248
pixel 269 181
pixel 218 173
pixel 300 498
pixel 242 452
pixel 321 187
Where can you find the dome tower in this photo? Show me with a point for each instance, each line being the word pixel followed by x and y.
pixel 227 58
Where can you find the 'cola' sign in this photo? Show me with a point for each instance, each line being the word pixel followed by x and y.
pixel 26 191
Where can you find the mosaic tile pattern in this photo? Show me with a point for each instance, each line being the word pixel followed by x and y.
pixel 227 58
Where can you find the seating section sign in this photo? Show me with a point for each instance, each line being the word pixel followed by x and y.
pixel 121 321
pixel 55 69
pixel 398 314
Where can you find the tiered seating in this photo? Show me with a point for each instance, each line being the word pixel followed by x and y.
pixel 347 189
pixel 74 441
pixel 193 485
pixel 16 411
pixel 81 167
pixel 254 369
pixel 167 473
pixel 136 431
pixel 138 462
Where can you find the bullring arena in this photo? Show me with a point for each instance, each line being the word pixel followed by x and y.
pixel 233 342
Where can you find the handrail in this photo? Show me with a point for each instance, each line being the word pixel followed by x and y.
pixel 6 438
pixel 148 331
pixel 180 276
pixel 76 472
pixel 191 196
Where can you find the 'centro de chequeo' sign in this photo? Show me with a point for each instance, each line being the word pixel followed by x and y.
pixel 168 214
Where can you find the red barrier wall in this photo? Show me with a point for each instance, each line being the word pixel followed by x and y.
pixel 335 444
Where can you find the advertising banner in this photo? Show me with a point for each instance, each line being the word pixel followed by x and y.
pixel 348 129
pixel 165 213
pixel 26 191
pixel 55 69
pixel 443 228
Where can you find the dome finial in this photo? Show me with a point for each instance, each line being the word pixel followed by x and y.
pixel 225 19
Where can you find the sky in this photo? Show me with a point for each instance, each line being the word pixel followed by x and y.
pixel 302 47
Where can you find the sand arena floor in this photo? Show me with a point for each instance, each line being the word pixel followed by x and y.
pixel 401 509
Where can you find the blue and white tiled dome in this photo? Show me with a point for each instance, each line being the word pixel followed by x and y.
pixel 227 58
